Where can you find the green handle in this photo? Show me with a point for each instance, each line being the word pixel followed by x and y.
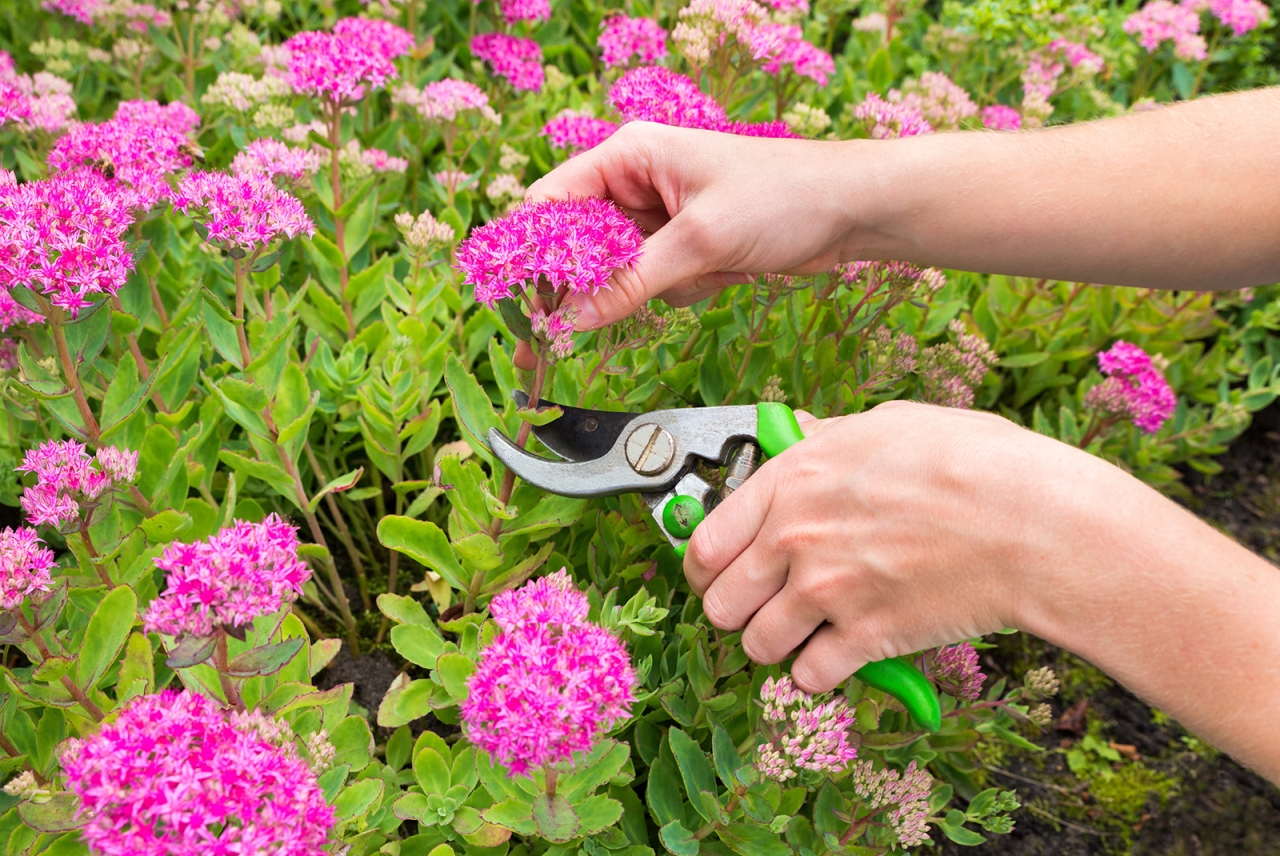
pixel 777 430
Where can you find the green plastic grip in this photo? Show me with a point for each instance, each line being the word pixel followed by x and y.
pixel 777 430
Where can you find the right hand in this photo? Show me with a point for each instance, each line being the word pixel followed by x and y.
pixel 716 208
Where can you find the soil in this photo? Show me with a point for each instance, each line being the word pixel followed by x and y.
pixel 1216 807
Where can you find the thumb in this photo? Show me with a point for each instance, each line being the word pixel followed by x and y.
pixel 673 257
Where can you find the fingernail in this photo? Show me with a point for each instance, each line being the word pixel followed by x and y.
pixel 738 278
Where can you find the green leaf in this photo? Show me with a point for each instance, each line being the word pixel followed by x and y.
pixel 165 526
pixel 1184 80
pixel 601 764
pixel 360 225
pixel 545 416
pixel 879 70
pixel 555 818
pixel 191 651
pixel 138 663
pixel 410 806
pixel 417 644
pixel 953 827
pixel 403 609
pixel 270 473
pixel 747 839
pixel 678 840
pixel 57 814
pixel 515 319
pixel 514 814
pixel 322 653
pixel 423 542
pixel 472 405
pixel 430 771
pixel 695 769
pixel 726 756
pixel 105 635
pixel 353 743
pixel 663 793
pixel 341 483
pixel 597 813
pixel 1022 361
pixel 453 670
pixel 354 800
pixel 265 659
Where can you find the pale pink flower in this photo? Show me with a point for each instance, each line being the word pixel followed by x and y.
pixel 556 328
pixel 1135 388
pixel 782 46
pixel 453 179
pixel 24 566
pixel 275 159
pixel 40 102
pixel 707 25
pixel 657 94
pixel 941 102
pixel 517 60
pixel 1163 21
pixel 998 117
pixel 228 579
pixel 577 133
pixel 884 120
pixel 1240 15
pixel 171 774
pixel 951 373
pixel 120 465
pixel 446 99
pixel 83 11
pixel 545 689
pixel 955 670
pixel 623 39
pixel 379 161
pixel 573 244
pixel 802 733
pixel 1078 55
pixel 905 793
pixel 789 7
pixel 15 106
pixel 68 483
pixel 245 211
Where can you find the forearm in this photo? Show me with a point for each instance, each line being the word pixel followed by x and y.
pixel 1183 197
pixel 1178 613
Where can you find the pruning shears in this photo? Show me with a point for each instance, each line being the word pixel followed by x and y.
pixel 657 455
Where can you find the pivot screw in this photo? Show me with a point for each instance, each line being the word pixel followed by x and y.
pixel 650 448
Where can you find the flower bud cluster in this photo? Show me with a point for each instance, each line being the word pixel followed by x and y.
pixel 806 120
pixel 941 102
pixel 25 564
pixel 1040 683
pixel 950 372
pixel 908 793
pixel 423 234
pixel 444 100
pixel 802 733
pixel 244 92
pixel 955 670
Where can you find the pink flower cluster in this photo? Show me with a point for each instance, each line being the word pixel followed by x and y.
pixel 657 94
pixel 1240 15
pixel 556 328
pixel 1039 82
pixel 941 102
pixel 906 792
pixel 885 120
pixel 955 670
pixel 1135 388
pixel 514 11
pixel 39 102
pixel 275 159
pixel 517 60
pixel 623 39
pixel 782 45
pixel 445 99
pixel 68 482
pixel 802 733
pixel 61 236
pixel 774 130
pixel 550 683
pixel 337 66
pixel 229 579
pixel 246 211
pixel 577 133
pixel 999 117
pixel 951 373
pixel 137 16
pixel 575 244
pixel 1162 21
pixel 172 775
pixel 140 147
pixel 1077 55
pixel 710 25
pixel 24 566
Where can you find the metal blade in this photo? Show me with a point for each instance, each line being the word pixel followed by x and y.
pixel 579 434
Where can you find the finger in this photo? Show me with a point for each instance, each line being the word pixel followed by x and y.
pixel 524 358
pixel 728 530
pixel 674 254
pixel 756 576
pixel 780 627
pixel 826 661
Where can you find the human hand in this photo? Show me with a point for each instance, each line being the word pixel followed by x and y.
pixel 929 529
pixel 716 209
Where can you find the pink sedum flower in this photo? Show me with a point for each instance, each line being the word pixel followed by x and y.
pixel 885 120
pixel 955 670
pixel 573 244
pixel 941 102
pixel 998 117
pixel 24 566
pixel 173 775
pixel 15 106
pixel 175 115
pixel 624 39
pixel 773 130
pixel 1240 15
pixel 228 579
pixel 67 482
pixel 517 60
pixel 445 100
pixel 782 48
pixel 577 133
pixel 551 682
pixel 381 38
pixel 337 66
pixel 1162 21
pixel 657 94
pixel 514 11
pixel 1077 55
pixel 801 733
pixel 61 236
pixel 275 159
pixel 905 794
pixel 246 211
pixel 1135 388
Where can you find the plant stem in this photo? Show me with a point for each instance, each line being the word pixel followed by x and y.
pixel 339 224
pixel 69 374
pixel 522 436
pixel 241 335
pixel 93 555
pixel 344 532
pixel 229 688
pixel 76 693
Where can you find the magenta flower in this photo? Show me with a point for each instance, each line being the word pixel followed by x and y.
pixel 1078 55
pixel 774 130
pixel 550 683
pixel 61 236
pixel 337 66
pixel 885 120
pixel 173 775
pixel 514 11
pixel 955 670
pixel 24 566
pixel 577 133
pixel 657 94
pixel 143 145
pixel 275 159
pixel 67 481
pixel 245 211
pixel 623 39
pixel 801 733
pixel 14 104
pixel 517 60
pixel 805 59
pixel 83 11
pixel 998 117
pixel 229 579
pixel 574 244
pixel 1135 388
pixel 1161 21
pixel 1240 15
